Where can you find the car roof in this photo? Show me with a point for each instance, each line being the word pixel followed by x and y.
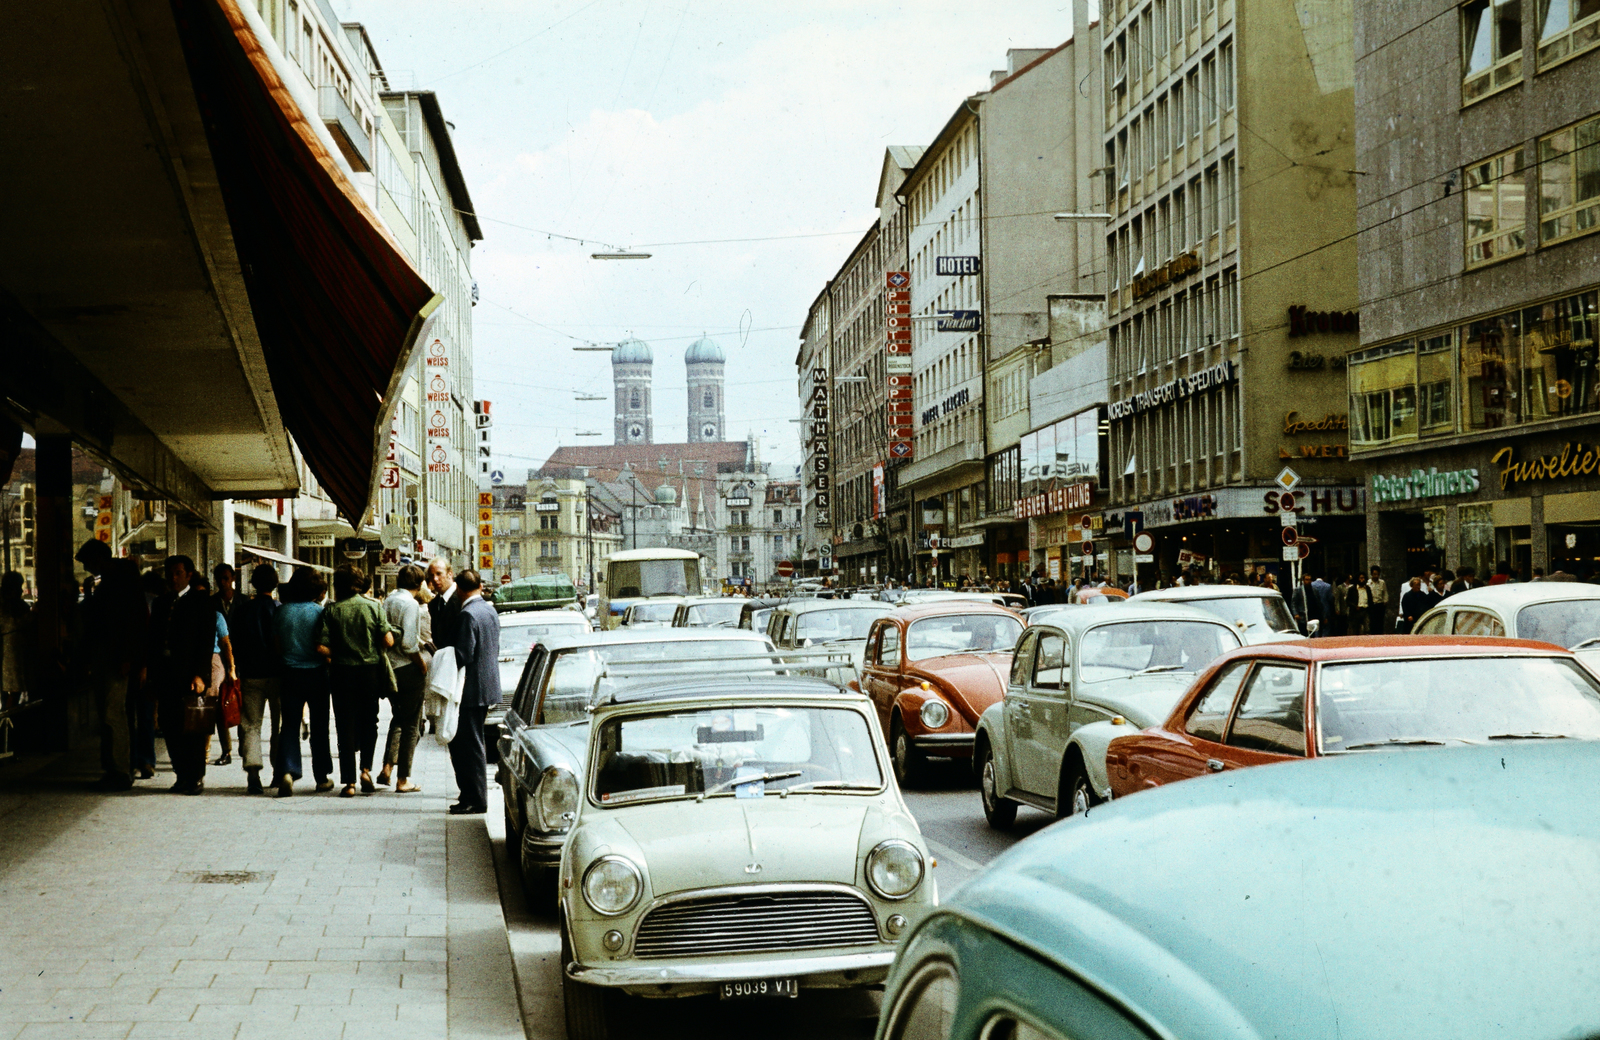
pixel 1511 597
pixel 630 555
pixel 652 635
pixel 692 600
pixel 945 607
pixel 1357 648
pixel 520 618
pixel 743 689
pixel 807 606
pixel 1080 616
pixel 1187 592
pixel 1362 896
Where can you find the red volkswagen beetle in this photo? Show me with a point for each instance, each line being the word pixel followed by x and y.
pixel 930 671
pixel 1280 702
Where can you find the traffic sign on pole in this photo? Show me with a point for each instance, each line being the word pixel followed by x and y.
pixel 785 568
pixel 1290 536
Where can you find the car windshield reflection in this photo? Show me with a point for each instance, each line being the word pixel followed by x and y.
pixel 1130 648
pixel 715 613
pixel 1373 704
pixel 961 633
pixel 733 752
pixel 831 626
pixel 653 611
pixel 1565 623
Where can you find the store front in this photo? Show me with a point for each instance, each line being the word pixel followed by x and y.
pixel 1518 503
pixel 1238 532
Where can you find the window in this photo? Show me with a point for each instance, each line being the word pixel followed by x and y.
pixel 1477 623
pixel 1496 202
pixel 1432 626
pixel 1049 673
pixel 634 400
pixel 1569 27
pixel 1569 181
pixel 1489 350
pixel 1022 660
pixel 1210 217
pixel 1209 719
pixel 1225 76
pixel 1559 358
pixel 1178 135
pixel 777 545
pixel 889 645
pixel 710 400
pixel 1208 89
pixel 1272 712
pixel 1230 191
pixel 1491 46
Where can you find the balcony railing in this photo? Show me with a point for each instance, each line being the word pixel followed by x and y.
pixel 345 126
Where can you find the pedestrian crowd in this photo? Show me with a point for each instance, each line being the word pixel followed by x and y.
pixel 172 655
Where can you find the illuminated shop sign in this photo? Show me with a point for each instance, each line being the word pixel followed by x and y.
pixel 1424 483
pixel 1218 375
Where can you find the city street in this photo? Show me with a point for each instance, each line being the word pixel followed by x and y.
pixel 951 819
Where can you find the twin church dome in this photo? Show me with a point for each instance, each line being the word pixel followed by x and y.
pixel 634 420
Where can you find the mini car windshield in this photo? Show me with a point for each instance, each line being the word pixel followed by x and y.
pixel 961 633
pixel 573 672
pixel 654 611
pixel 1248 613
pixel 724 613
pixel 1565 622
pixel 1454 700
pixel 829 626
pixel 1129 648
pixel 733 752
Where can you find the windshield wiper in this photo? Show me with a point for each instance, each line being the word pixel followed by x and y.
pixel 1158 668
pixel 740 781
pixel 1396 742
pixel 832 785
pixel 1526 736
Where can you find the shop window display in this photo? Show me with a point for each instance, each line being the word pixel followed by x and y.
pixel 1489 350
pixel 1559 359
pixel 1477 538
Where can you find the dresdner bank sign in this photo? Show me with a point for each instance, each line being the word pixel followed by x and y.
pixel 1220 374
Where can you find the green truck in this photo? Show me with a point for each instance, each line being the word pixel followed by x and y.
pixel 537 592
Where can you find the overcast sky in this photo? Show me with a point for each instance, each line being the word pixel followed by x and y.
pixel 656 124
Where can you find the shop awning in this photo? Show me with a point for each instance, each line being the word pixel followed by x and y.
pixel 273 556
pixel 337 306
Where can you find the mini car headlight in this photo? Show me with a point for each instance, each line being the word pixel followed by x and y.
pixel 556 801
pixel 934 713
pixel 612 885
pixel 894 869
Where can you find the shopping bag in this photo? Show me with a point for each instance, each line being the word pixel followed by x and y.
pixel 199 715
pixel 229 700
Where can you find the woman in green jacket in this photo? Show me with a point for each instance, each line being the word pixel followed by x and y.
pixel 352 635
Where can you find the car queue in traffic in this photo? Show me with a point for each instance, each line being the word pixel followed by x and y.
pixel 713 808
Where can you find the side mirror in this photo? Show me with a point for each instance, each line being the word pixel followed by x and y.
pixel 1312 627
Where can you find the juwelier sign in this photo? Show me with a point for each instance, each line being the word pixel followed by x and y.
pixel 1573 460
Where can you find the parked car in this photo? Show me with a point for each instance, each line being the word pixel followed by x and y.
pixel 833 623
pixel 930 671
pixel 755 614
pixel 520 631
pixel 1080 677
pixel 709 612
pixel 1561 612
pixel 1291 701
pixel 545 729
pixel 1260 615
pixel 1363 897
pixel 740 837
pixel 910 597
pixel 651 613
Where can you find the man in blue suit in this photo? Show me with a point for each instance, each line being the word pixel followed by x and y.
pixel 477 643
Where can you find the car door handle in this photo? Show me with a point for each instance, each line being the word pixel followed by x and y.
pixel 1216 765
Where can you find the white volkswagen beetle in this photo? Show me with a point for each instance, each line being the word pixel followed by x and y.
pixel 742 837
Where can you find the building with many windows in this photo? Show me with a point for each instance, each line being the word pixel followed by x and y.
pixel 1475 392
pixel 1231 171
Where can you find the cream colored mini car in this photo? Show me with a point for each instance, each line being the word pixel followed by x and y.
pixel 738 837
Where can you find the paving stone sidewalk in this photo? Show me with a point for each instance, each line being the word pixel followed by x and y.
pixel 230 916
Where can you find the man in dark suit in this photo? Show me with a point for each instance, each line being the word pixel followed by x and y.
pixel 477 643
pixel 183 629
pixel 1307 606
pixel 444 609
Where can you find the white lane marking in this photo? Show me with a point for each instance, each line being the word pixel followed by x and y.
pixel 944 852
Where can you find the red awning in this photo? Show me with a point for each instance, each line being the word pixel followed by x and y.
pixel 337 306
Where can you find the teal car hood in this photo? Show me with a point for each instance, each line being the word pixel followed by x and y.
pixel 1425 893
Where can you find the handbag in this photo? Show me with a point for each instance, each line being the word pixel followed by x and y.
pixel 229 701
pixel 199 715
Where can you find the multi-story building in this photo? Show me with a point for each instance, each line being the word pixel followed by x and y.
pixel 1474 394
pixel 869 507
pixel 1230 169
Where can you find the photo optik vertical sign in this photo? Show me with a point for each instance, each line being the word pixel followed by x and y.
pixel 897 363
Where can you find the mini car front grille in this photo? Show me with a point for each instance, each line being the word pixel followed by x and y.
pixel 800 920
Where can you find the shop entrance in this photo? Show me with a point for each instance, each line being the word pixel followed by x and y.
pixel 1514 545
pixel 1575 548
pixel 1422 535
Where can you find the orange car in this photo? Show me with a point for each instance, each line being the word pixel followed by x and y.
pixel 931 670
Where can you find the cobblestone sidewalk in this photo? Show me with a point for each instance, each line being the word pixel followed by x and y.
pixel 230 917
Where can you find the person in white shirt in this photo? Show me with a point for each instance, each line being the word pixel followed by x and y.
pixel 410 679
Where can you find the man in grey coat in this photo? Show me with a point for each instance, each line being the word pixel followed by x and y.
pixel 477 644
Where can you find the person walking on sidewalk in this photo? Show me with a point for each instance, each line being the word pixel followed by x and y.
pixel 445 607
pixel 353 634
pixel 16 638
pixel 305 682
pixel 410 678
pixel 477 644
pixel 255 650
pixel 179 655
pixel 115 619
pixel 1380 601
pixel 222 600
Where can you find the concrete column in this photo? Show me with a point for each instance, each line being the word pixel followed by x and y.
pixel 1452 536
pixel 55 585
pixel 1539 549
